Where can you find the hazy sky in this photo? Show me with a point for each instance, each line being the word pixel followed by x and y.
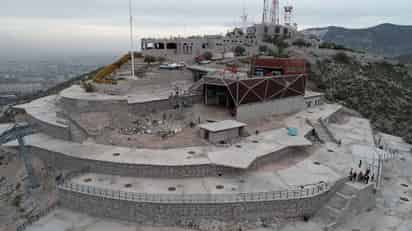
pixel 76 27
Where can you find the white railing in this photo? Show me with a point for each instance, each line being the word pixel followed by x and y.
pixel 6 189
pixel 304 192
pixel 44 212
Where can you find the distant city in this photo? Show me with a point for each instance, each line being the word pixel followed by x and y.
pixel 23 77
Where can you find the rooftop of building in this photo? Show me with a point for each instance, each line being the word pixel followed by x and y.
pixel 222 125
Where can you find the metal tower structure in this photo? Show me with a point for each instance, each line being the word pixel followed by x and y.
pixel 131 39
pixel 274 13
pixel 288 15
pixel 265 15
pixel 244 20
pixel 18 132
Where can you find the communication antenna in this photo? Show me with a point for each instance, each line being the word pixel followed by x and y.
pixel 265 11
pixel 244 19
pixel 131 38
pixel 288 15
pixel 274 13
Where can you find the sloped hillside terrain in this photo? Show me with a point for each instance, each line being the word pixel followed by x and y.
pixel 380 91
pixel 384 39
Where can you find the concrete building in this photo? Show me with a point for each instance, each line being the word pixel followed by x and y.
pixel 222 132
pixel 153 158
pixel 197 45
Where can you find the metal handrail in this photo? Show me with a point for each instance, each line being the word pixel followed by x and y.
pixel 304 192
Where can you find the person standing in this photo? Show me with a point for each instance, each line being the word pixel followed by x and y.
pixel 360 177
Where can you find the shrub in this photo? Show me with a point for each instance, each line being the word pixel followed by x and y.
pixel 239 50
pixel 263 48
pixel 301 43
pixel 87 86
pixel 342 57
pixel 207 55
pixel 17 200
pixel 149 59
pixel 161 59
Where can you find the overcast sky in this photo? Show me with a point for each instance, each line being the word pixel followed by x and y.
pixel 83 27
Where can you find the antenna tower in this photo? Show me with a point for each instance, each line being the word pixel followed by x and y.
pixel 265 14
pixel 274 13
pixel 288 15
pixel 131 39
pixel 244 19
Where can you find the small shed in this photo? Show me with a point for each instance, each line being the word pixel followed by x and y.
pixel 221 132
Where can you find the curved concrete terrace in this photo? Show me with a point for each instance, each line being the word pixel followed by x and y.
pixel 44 110
pixel 77 93
pixel 44 114
pixel 235 157
pixel 239 156
pixel 194 191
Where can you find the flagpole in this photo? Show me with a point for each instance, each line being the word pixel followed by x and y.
pixel 131 38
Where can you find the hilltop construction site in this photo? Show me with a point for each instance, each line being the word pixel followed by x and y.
pixel 201 135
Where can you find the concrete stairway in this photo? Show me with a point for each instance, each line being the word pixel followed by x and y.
pixel 322 133
pixel 336 210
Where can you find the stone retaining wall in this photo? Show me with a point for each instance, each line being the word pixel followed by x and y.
pixel 59 132
pixel 120 105
pixel 65 162
pixel 254 111
pixel 181 213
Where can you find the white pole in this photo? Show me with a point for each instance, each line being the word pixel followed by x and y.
pixel 131 37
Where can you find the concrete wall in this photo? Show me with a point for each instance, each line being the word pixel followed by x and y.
pixel 216 137
pixel 180 214
pixel 254 111
pixel 363 200
pixel 273 157
pixel 64 162
pixel 314 101
pixel 53 130
pixel 119 109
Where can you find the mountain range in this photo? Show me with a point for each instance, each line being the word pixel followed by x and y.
pixel 384 39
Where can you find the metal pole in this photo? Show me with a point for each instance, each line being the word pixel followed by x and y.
pixel 33 183
pixel 131 38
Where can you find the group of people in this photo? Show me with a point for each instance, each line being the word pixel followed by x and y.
pixel 361 177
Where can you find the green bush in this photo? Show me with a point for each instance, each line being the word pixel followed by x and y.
pixel 239 50
pixel 334 46
pixel 17 200
pixel 161 59
pixel 207 55
pixel 149 59
pixel 263 48
pixel 88 87
pixel 342 57
pixel 301 43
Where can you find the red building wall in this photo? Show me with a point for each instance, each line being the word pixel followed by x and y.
pixel 286 65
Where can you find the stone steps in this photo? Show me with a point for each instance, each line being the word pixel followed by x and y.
pixel 321 133
pixel 337 207
pixel 338 202
pixel 348 190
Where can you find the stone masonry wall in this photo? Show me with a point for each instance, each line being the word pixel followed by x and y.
pixel 255 111
pixel 64 162
pixel 52 130
pixel 178 214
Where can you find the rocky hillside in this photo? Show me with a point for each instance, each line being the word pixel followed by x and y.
pixel 384 39
pixel 405 58
pixel 378 90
